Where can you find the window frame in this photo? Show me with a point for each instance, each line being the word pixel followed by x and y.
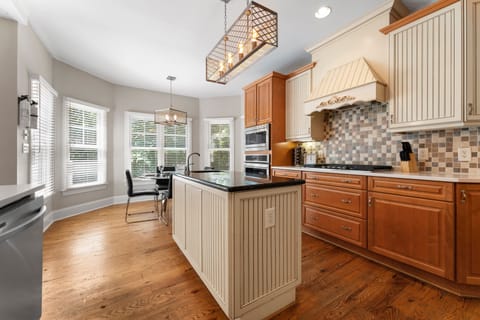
pixel 101 146
pixel 231 149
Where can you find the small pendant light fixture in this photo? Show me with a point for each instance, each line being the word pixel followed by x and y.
pixel 252 35
pixel 170 116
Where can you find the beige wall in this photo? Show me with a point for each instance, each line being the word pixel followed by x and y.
pixel 138 100
pixel 361 41
pixel 8 101
pixel 32 59
pixel 73 83
pixel 222 107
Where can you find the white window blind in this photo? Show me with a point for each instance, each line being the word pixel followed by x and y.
pixel 86 133
pixel 143 154
pixel 152 145
pixel 220 133
pixel 42 155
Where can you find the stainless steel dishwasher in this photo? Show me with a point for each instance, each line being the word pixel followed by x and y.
pixel 21 239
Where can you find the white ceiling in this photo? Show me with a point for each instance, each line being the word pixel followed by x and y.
pixel 138 43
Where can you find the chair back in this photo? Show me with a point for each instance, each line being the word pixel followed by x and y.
pixel 170 187
pixel 129 182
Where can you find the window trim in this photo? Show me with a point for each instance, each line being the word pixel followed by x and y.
pixel 231 122
pixel 69 189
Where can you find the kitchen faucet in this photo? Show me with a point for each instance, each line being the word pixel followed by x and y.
pixel 187 167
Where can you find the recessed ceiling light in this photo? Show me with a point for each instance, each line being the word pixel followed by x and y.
pixel 322 12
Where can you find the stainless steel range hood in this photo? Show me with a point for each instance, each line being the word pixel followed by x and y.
pixel 354 83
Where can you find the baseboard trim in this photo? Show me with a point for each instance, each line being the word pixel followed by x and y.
pixel 57 215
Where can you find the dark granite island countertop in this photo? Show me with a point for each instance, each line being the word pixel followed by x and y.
pixel 233 181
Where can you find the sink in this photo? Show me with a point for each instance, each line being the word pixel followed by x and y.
pixel 204 171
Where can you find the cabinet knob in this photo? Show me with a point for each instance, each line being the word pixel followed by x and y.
pixel 370 201
pixel 347 201
pixel 463 196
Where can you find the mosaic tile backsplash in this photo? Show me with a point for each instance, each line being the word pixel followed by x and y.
pixel 359 135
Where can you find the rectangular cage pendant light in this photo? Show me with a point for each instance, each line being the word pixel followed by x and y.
pixel 252 35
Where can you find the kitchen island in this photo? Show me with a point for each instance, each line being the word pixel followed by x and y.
pixel 243 238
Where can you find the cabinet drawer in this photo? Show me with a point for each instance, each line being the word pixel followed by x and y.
pixel 348 229
pixel 414 188
pixel 287 174
pixel 338 180
pixel 346 201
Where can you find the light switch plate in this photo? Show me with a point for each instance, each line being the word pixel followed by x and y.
pixel 269 218
pixel 464 154
pixel 423 154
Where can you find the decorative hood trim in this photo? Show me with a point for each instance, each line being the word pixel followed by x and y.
pixel 350 84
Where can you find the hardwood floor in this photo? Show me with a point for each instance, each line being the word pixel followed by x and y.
pixel 98 267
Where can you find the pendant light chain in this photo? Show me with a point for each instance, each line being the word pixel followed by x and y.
pixel 171 93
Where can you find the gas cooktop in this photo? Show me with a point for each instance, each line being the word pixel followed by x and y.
pixel 343 166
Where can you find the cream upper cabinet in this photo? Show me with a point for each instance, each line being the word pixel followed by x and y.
pixel 426 72
pixel 472 70
pixel 300 127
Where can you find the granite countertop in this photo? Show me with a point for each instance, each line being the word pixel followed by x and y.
pixel 424 175
pixel 12 193
pixel 233 181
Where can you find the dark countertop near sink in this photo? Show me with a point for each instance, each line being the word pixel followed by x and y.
pixel 233 181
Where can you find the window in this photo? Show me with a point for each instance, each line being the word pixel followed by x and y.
pixel 220 143
pixel 151 145
pixel 42 156
pixel 143 144
pixel 86 132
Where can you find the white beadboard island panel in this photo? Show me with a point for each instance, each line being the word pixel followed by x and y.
pixel 250 270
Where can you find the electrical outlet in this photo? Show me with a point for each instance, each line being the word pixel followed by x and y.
pixel 269 218
pixel 464 154
pixel 423 154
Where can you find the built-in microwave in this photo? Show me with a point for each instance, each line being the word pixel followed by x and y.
pixel 257 138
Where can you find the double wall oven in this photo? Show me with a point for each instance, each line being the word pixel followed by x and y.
pixel 257 151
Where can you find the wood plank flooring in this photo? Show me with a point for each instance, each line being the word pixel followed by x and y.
pixel 98 267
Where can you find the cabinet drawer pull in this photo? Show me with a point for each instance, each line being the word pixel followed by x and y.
pixel 346 228
pixel 347 181
pixel 347 201
pixel 470 109
pixel 403 187
pixel 463 196
pixel 314 195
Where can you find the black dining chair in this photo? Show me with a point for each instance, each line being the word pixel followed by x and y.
pixel 163 183
pixel 131 192
pixel 164 196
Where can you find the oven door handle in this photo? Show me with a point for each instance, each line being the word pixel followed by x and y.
pixel 256 165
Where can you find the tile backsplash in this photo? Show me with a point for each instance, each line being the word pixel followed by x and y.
pixel 359 135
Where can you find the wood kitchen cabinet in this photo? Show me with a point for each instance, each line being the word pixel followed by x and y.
pixel 335 204
pixel 468 233
pixel 300 127
pixel 406 225
pixel 265 101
